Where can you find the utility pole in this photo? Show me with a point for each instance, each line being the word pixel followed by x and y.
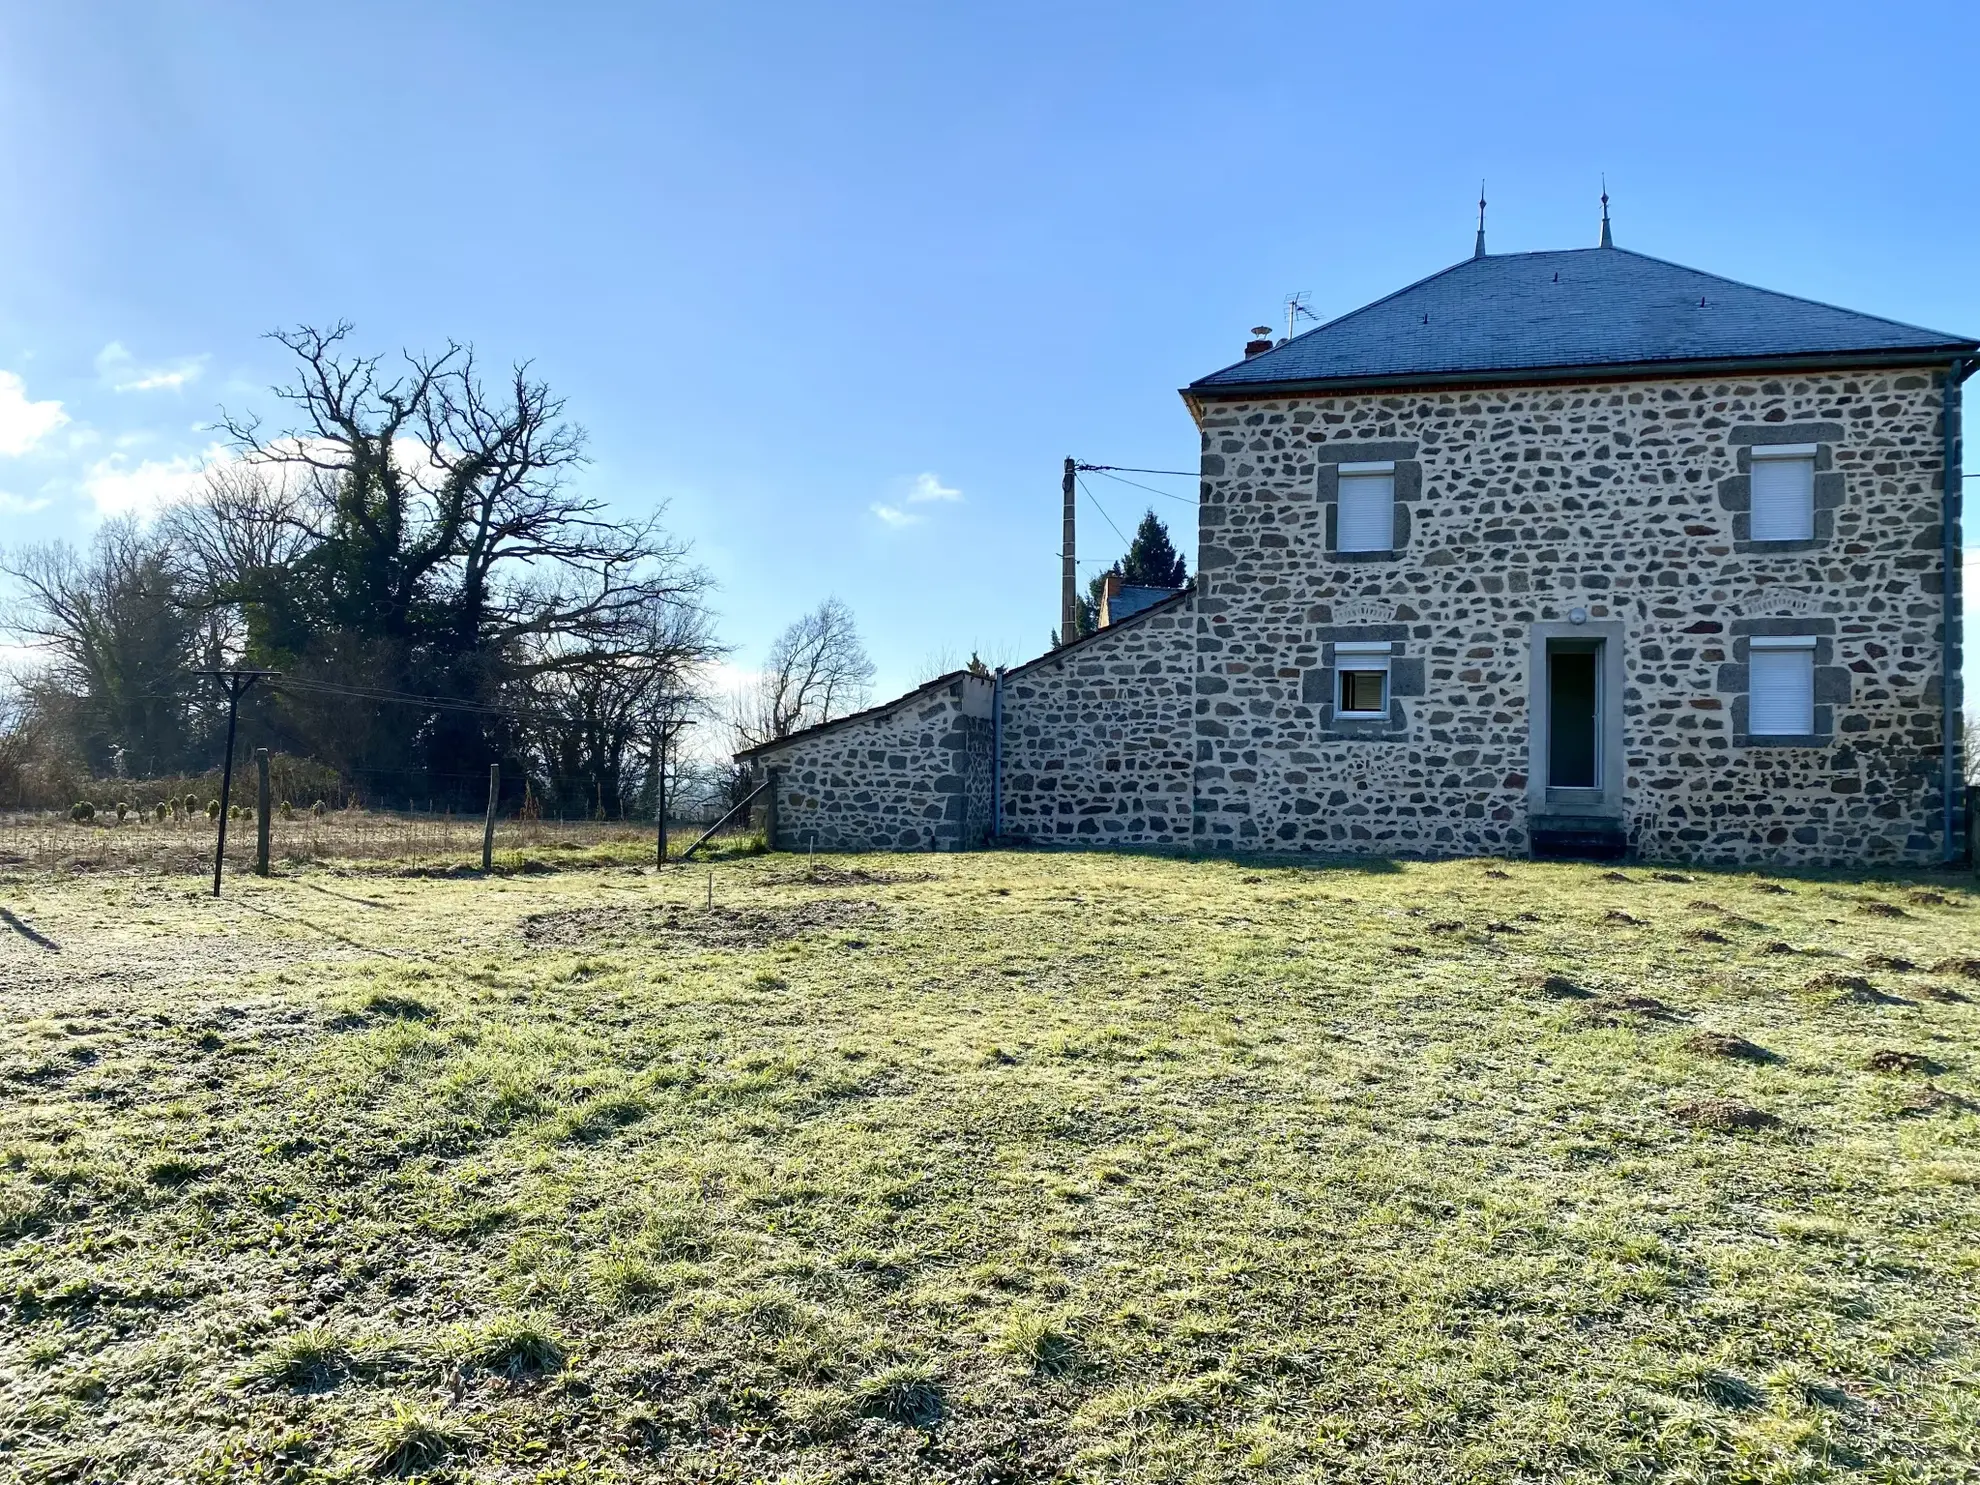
pixel 235 683
pixel 262 810
pixel 660 801
pixel 1068 579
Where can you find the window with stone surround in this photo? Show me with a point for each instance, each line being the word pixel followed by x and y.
pixel 1363 680
pixel 1365 492
pixel 1785 490
pixel 1784 682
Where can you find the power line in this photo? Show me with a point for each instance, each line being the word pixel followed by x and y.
pixel 1182 474
pixel 1186 500
pixel 1103 513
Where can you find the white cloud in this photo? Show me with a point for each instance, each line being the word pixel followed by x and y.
pixel 924 489
pixel 120 372
pixel 927 487
pixel 23 424
pixel 20 505
pixel 117 487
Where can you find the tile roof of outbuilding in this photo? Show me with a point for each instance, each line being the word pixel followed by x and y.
pixel 1522 315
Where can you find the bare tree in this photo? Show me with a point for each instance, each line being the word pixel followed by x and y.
pixel 115 641
pixel 416 530
pixel 818 669
pixel 433 491
pixel 946 660
pixel 597 728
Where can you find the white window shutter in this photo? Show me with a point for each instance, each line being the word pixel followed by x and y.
pixel 1367 520
pixel 1782 699
pixel 1783 499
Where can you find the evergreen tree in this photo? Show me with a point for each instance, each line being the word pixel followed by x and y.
pixel 1152 561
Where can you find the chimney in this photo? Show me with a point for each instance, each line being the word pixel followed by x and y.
pixel 1260 342
pixel 1110 589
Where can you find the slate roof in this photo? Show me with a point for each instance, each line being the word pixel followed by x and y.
pixel 1133 598
pixel 1540 316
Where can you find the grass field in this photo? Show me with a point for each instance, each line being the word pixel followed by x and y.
pixel 990 1167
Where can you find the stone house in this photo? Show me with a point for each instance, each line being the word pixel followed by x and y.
pixel 1575 552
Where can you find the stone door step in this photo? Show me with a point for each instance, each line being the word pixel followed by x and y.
pixel 1564 839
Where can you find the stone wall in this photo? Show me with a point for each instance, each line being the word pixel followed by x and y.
pixel 1624 501
pixel 1097 736
pixel 912 775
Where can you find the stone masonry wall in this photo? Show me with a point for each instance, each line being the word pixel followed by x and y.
pixel 913 775
pixel 1097 737
pixel 1626 500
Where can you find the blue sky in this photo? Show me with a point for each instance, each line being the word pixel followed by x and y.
pixel 843 284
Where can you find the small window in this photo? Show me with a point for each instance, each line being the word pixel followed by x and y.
pixel 1363 687
pixel 1784 492
pixel 1782 703
pixel 1367 520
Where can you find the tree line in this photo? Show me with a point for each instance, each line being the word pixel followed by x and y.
pixel 413 550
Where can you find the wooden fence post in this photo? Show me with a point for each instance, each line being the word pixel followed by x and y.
pixel 261 812
pixel 488 826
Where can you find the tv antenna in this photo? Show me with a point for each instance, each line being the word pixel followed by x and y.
pixel 1295 308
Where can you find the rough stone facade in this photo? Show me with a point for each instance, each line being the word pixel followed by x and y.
pixel 913 775
pixel 1614 513
pixel 1624 501
pixel 1097 736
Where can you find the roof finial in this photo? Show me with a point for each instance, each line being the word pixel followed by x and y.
pixel 1607 241
pixel 1479 250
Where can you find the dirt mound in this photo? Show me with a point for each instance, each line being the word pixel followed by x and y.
pixel 1932 1099
pixel 1671 876
pixel 1851 990
pixel 1606 1010
pixel 1725 1044
pixel 1892 962
pixel 1779 946
pixel 1617 915
pixel 1705 936
pixel 1942 992
pixel 1559 987
pixel 1928 898
pixel 1872 907
pixel 1773 888
pixel 1614 876
pixel 1722 1114
pixel 1963 965
pixel 1889 1060
pixel 720 927
pixel 825 874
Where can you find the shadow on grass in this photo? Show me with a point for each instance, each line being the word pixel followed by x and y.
pixel 29 933
pixel 370 902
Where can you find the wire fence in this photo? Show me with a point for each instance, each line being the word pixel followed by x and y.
pixel 46 841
